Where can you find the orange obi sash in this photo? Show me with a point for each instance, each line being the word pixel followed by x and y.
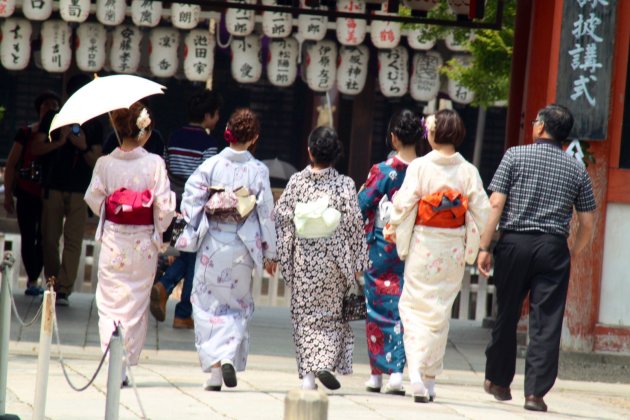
pixel 129 207
pixel 445 209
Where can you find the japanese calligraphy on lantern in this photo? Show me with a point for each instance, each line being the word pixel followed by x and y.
pixel 321 65
pixel 246 65
pixel 240 22
pixel 111 12
pixel 185 16
pixel 146 13
pixel 37 9
pixel 56 51
pixel 124 54
pixel 352 69
pixel 7 7
pixel 164 43
pixel 199 55
pixel 419 39
pixel 585 64
pixel 456 91
pixel 385 34
pixel 310 27
pixel 90 51
pixel 393 73
pixel 351 31
pixel 15 50
pixel 74 10
pixel 425 76
pixel 274 24
pixel 282 61
pixel 459 7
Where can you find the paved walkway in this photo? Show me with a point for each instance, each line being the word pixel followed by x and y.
pixel 169 379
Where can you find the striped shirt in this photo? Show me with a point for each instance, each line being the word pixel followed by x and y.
pixel 543 185
pixel 188 148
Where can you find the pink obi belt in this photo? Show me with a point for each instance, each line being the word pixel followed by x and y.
pixel 129 207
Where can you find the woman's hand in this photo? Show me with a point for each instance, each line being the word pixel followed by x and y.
pixel 271 267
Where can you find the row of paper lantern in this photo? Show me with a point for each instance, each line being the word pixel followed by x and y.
pixel 241 22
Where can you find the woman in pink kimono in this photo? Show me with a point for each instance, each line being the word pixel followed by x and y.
pixel 438 213
pixel 131 193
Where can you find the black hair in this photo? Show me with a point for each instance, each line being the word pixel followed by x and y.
pixel 558 121
pixel 202 103
pixel 325 146
pixel 43 97
pixel 407 127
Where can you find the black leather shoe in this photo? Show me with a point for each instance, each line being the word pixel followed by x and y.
pixel 500 393
pixel 535 403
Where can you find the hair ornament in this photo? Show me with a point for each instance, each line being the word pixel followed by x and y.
pixel 229 136
pixel 143 121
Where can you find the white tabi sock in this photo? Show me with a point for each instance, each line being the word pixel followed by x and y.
pixel 309 381
pixel 395 380
pixel 375 381
pixel 414 377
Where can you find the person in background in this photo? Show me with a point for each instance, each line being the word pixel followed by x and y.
pixel 231 244
pixel 322 249
pixel 534 191
pixel 188 148
pixel 384 280
pixel 435 221
pixel 22 179
pixel 70 157
pixel 135 208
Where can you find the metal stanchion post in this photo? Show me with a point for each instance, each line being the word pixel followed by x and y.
pixel 5 330
pixel 114 375
pixel 43 357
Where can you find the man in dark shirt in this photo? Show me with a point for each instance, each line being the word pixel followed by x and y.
pixel 535 190
pixel 69 159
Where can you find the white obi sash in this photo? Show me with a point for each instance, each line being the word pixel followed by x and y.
pixel 315 219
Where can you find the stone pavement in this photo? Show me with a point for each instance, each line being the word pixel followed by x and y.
pixel 169 380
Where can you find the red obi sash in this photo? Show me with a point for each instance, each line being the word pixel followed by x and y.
pixel 445 209
pixel 129 207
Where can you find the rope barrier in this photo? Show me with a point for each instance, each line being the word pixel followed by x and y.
pixel 17 314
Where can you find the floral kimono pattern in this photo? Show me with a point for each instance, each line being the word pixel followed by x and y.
pixel 435 258
pixel 319 271
pixel 227 255
pixel 384 280
pixel 128 259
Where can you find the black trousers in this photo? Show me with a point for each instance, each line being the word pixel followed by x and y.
pixel 29 216
pixel 538 264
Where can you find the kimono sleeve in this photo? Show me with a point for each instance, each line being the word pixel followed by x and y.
pixel 96 192
pixel 478 203
pixel 352 225
pixel 264 209
pixel 403 215
pixel 285 229
pixel 371 193
pixel 193 200
pixel 163 199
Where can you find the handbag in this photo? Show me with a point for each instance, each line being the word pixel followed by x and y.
pixel 354 307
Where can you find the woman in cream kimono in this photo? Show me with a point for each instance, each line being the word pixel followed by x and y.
pixel 321 248
pixel 131 193
pixel 229 249
pixel 437 216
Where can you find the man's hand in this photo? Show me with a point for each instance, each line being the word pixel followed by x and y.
pixel 8 202
pixel 484 262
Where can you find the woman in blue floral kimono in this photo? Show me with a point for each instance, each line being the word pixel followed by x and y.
pixel 384 280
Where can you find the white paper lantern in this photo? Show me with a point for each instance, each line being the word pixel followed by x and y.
pixel 185 16
pixel 459 7
pixel 457 92
pixel 111 12
pixel 240 22
pixel 455 45
pixel 385 34
pixel 56 50
pixel 311 27
pixel 15 50
pixel 421 5
pixel 199 47
pixel 418 39
pixel 425 76
pixel 321 65
pixel 245 55
pixel 393 73
pixel 351 31
pixel 163 45
pixel 37 9
pixel 282 61
pixel 352 69
pixel 90 51
pixel 74 10
pixel 146 13
pixel 124 53
pixel 275 24
pixel 7 7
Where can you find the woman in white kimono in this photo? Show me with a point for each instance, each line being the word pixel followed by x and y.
pixel 131 193
pixel 230 246
pixel 438 214
pixel 321 248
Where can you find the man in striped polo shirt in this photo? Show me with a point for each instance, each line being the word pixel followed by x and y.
pixel 188 148
pixel 534 192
